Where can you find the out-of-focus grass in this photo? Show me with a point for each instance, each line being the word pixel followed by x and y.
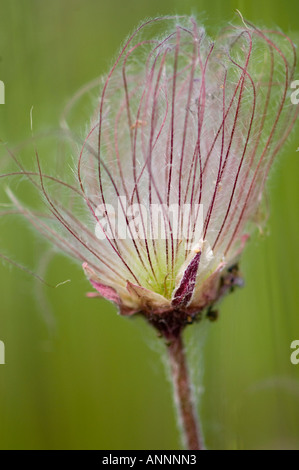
pixel 79 376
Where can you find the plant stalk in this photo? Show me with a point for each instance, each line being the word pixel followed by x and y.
pixel 183 394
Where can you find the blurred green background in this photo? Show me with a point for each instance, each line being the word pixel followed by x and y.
pixel 77 376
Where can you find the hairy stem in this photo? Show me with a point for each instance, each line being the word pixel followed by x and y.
pixel 183 394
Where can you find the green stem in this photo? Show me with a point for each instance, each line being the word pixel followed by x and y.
pixel 183 394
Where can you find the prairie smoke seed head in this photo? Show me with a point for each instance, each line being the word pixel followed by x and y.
pixel 170 176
